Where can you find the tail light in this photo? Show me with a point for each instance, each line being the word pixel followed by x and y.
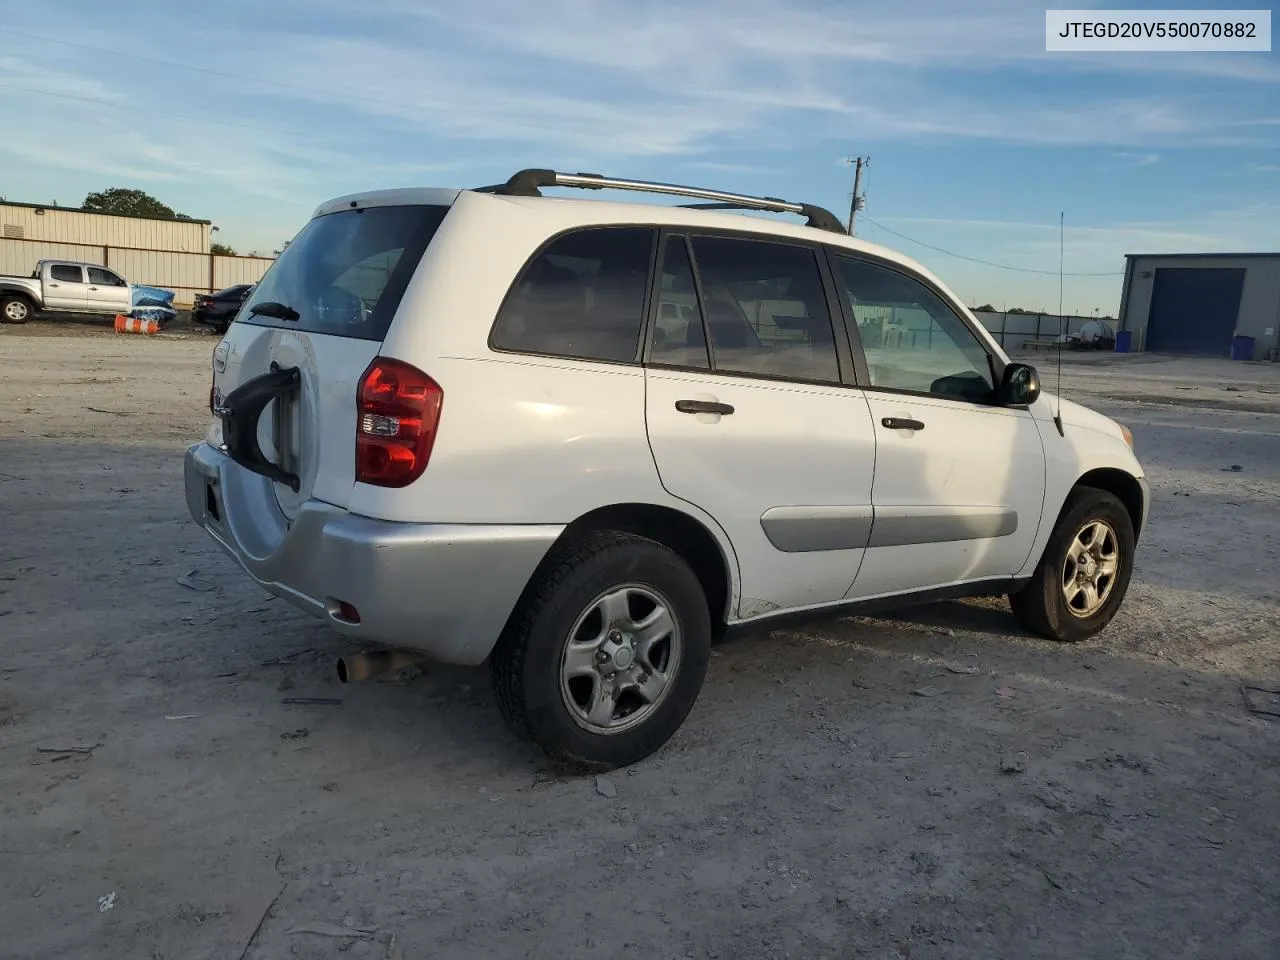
pixel 397 415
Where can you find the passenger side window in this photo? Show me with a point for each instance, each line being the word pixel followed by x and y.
pixel 765 309
pixel 582 297
pixel 104 278
pixel 912 340
pixel 65 273
pixel 678 338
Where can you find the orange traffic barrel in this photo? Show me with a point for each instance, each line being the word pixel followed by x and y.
pixel 134 325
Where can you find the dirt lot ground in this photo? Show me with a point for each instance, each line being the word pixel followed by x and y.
pixel 936 785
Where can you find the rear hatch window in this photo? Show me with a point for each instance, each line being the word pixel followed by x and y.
pixel 344 273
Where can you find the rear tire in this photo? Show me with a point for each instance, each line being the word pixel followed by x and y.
pixel 15 309
pixel 1084 573
pixel 589 666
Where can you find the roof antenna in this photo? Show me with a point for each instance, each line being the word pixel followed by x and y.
pixel 1057 417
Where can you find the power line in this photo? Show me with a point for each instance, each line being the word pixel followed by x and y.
pixel 133 109
pixel 988 263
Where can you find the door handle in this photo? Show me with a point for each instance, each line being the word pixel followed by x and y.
pixel 94 289
pixel 704 406
pixel 902 423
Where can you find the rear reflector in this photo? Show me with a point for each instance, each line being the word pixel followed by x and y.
pixel 397 415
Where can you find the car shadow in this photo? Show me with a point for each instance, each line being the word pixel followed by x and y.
pixel 983 614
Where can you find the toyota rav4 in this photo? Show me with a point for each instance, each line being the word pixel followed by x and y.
pixel 581 440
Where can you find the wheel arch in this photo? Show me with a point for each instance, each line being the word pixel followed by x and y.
pixel 679 531
pixel 32 306
pixel 1124 486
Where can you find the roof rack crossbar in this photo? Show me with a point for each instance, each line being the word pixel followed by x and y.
pixel 526 183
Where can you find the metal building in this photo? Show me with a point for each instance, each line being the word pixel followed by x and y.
pixel 29 221
pixel 173 254
pixel 1212 304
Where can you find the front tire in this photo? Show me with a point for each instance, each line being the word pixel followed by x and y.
pixel 15 310
pixel 1084 573
pixel 605 656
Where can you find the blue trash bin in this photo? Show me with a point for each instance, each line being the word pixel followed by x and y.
pixel 1124 340
pixel 1242 348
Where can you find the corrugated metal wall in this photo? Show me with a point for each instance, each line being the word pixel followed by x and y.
pixel 229 271
pixel 186 274
pixel 181 271
pixel 75 226
pixel 18 257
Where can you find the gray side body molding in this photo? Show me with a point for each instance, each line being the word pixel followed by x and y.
pixel 811 529
pixel 901 526
pixel 807 529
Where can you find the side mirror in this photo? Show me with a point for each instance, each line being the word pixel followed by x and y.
pixel 1020 385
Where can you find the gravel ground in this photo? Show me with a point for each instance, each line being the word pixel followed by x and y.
pixel 934 785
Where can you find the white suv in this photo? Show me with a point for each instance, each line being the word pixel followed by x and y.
pixel 583 439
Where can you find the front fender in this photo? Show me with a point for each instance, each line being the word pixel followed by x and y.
pixel 1096 457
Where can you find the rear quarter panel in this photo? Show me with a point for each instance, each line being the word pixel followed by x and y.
pixel 526 440
pixel 29 288
pixel 522 439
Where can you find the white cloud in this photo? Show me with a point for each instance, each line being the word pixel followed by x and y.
pixel 403 92
pixel 1137 159
pixel 25 72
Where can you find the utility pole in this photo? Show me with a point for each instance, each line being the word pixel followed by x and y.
pixel 858 200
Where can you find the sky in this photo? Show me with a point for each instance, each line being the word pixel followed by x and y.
pixel 250 114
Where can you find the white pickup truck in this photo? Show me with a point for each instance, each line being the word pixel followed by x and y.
pixel 64 286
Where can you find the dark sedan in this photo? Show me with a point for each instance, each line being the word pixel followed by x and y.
pixel 217 310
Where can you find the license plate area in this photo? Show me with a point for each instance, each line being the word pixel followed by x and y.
pixel 213 512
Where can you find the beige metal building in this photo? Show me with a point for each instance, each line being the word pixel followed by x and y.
pixel 1214 304
pixel 173 254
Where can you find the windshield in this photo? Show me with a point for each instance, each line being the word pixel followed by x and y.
pixel 345 273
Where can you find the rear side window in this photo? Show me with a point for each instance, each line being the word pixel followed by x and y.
pixel 678 337
pixel 582 296
pixel 766 309
pixel 345 273
pixel 65 273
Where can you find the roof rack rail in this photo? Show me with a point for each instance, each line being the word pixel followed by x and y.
pixel 526 183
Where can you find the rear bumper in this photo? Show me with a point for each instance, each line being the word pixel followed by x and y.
pixel 444 589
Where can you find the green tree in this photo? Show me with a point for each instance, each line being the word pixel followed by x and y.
pixel 221 250
pixel 129 203
pixel 985 308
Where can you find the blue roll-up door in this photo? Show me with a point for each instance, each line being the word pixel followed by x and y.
pixel 1194 310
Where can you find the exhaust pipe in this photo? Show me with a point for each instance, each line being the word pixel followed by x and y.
pixel 362 666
